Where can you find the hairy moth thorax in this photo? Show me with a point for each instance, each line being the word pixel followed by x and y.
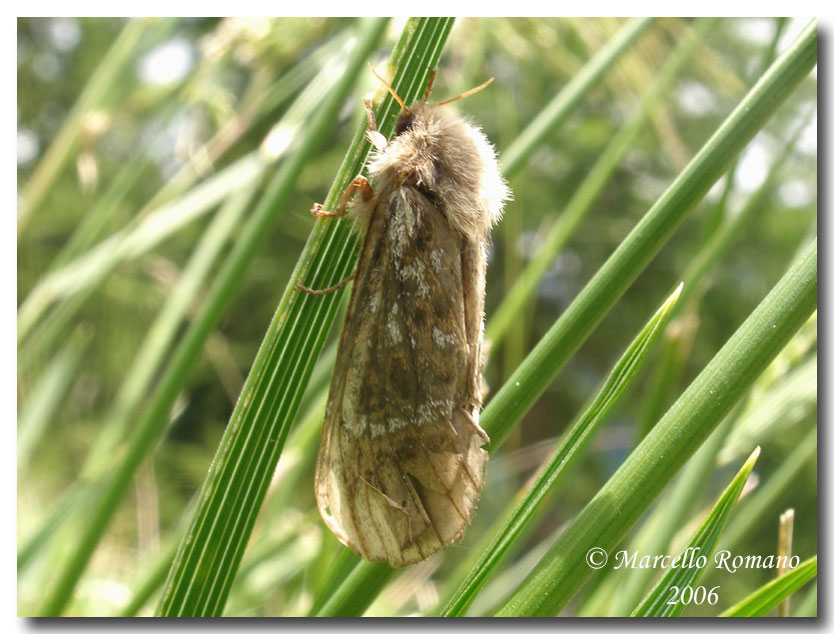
pixel 401 464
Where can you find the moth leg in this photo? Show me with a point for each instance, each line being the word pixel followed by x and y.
pixel 361 183
pixel 325 291
pixel 374 136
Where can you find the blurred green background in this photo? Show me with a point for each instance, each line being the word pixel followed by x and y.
pixel 120 120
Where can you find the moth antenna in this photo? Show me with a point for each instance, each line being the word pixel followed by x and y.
pixel 468 93
pixel 391 90
pixel 429 85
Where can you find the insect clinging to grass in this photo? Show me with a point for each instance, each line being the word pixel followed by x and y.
pixel 401 462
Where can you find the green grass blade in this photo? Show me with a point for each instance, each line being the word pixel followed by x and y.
pixel 612 389
pixel 789 401
pixel 656 602
pixel 359 590
pixel 576 209
pixel 807 607
pixel 630 491
pixel 555 113
pixel 771 594
pixel 151 583
pixel 728 233
pixel 255 436
pixel 151 354
pixel 227 282
pixel 696 279
pixel 47 395
pixel 659 529
pixel 158 220
pixel 755 508
pixel 646 239
pixel 113 66
pixel 655 536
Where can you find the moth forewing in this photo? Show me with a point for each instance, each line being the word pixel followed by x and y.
pixel 401 464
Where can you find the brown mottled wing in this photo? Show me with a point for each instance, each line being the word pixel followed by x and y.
pixel 400 466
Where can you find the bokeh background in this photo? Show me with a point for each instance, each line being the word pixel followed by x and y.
pixel 137 139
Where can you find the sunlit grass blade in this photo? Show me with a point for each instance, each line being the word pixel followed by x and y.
pixel 253 441
pixel 660 527
pixel 656 534
pixel 98 89
pixel 161 335
pixel 754 509
pixel 555 112
pixel 633 487
pixel 787 403
pixel 771 594
pixel 358 591
pixel 696 277
pixel 728 233
pixel 46 396
pixel 807 606
pixel 155 223
pixel 612 389
pixel 576 209
pixel 640 246
pixel 227 282
pixel 149 358
pixel 702 544
pixel 96 221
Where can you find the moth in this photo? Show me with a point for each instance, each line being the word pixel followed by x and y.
pixel 401 465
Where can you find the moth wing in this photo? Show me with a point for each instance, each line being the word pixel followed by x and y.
pixel 400 465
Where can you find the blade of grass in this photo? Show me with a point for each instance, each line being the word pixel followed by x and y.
pixel 97 219
pixel 785 549
pixel 150 356
pixel 771 594
pixel 609 393
pixel 153 421
pixel 148 360
pixel 646 239
pixel 656 537
pixel 754 509
pixel 255 436
pixel 42 404
pixel 788 402
pixel 718 212
pixel 721 240
pixel 669 514
pixel 656 602
pixel 556 112
pixel 156 222
pixel 807 607
pixel 111 69
pixel 576 209
pixel 633 487
pixel 358 590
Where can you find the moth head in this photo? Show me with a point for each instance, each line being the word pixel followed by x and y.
pixel 406 119
pixel 404 123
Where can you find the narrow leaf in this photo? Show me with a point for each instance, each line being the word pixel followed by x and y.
pixel 771 594
pixel 657 602
pixel 612 389
pixel 633 487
